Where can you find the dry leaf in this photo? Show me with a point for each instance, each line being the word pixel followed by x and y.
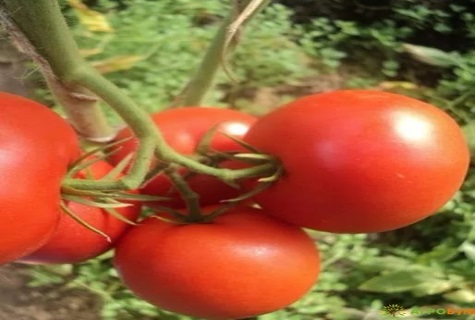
pixel 116 63
pixel 432 56
pixel 90 52
pixel 93 21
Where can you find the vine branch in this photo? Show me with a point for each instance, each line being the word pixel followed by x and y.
pixel 40 30
pixel 35 35
pixel 217 54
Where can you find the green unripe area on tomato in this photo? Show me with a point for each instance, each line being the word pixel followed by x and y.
pixel 242 264
pixel 360 160
pixel 36 148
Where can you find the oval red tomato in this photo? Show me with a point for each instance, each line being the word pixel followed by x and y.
pixel 241 265
pixel 360 160
pixel 36 148
pixel 73 242
pixel 183 128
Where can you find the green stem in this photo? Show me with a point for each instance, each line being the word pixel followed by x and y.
pixel 59 58
pixel 83 112
pixel 245 10
pixel 43 25
pixel 228 175
pixel 150 138
pixel 43 34
pixel 202 80
pixel 224 42
pixel 191 198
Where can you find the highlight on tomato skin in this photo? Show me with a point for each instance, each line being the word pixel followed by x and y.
pixel 75 243
pixel 243 264
pixel 360 161
pixel 183 129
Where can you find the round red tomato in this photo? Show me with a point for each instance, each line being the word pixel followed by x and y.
pixel 183 128
pixel 36 148
pixel 243 264
pixel 360 160
pixel 73 242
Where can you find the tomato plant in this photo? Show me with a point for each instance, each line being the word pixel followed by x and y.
pixel 183 129
pixel 243 264
pixel 73 242
pixel 360 160
pixel 36 147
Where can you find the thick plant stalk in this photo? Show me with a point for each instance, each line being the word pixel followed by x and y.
pixel 27 30
pixel 40 30
pixel 202 80
pixel 244 12
pixel 221 47
pixel 83 112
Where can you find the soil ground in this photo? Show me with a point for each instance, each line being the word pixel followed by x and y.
pixel 20 302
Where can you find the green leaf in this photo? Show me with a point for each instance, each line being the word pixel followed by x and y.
pixel 397 281
pixel 49 275
pixel 469 133
pixel 110 204
pixel 119 168
pixel 385 263
pixel 242 143
pixel 463 295
pixel 119 217
pixel 469 250
pixel 432 287
pixel 432 56
pixel 440 254
pixel 247 195
pixel 273 316
pixel 82 222
pixel 203 146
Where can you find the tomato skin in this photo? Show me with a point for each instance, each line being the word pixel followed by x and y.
pixel 360 161
pixel 243 264
pixel 36 148
pixel 183 128
pixel 74 243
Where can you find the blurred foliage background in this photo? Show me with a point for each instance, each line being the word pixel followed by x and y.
pixel 425 49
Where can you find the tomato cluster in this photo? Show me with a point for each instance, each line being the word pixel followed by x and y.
pixel 242 264
pixel 351 161
pixel 37 150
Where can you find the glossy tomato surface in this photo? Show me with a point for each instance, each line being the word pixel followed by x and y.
pixel 241 265
pixel 360 160
pixel 73 242
pixel 36 148
pixel 183 129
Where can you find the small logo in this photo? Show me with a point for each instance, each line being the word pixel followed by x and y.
pixel 394 310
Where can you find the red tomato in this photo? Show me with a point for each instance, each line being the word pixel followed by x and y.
pixel 183 128
pixel 74 243
pixel 36 148
pixel 360 160
pixel 243 264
